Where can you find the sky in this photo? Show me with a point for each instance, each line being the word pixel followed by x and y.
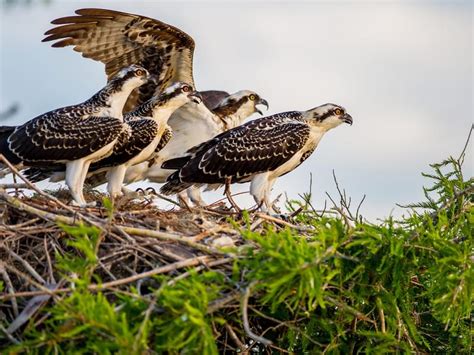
pixel 402 69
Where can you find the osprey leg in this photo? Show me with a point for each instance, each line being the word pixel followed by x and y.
pixel 259 190
pixel 229 195
pixel 194 193
pixel 74 171
pixel 267 203
pixel 115 178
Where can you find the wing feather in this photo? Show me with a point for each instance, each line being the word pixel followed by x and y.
pixel 143 133
pixel 258 146
pixel 53 138
pixel 119 39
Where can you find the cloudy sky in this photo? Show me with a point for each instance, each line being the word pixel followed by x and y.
pixel 403 69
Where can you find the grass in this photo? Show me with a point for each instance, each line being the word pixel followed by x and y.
pixel 319 283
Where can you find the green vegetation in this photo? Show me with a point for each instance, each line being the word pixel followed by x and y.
pixel 339 285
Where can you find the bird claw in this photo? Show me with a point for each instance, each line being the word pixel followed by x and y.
pixel 144 193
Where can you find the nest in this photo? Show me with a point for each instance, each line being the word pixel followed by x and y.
pixel 137 240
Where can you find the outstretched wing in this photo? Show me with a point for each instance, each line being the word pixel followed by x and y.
pixel 258 146
pixel 119 39
pixel 55 138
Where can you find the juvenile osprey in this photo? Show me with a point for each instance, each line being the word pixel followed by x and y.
pixel 192 125
pixel 75 135
pixel 259 151
pixel 148 130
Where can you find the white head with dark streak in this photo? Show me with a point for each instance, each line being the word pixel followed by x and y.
pixel 327 116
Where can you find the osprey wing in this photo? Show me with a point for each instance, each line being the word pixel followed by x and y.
pixel 55 138
pixel 143 132
pixel 119 39
pixel 258 146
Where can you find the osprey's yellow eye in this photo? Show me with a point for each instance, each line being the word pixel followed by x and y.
pixel 252 97
pixel 139 72
pixel 186 88
pixel 338 111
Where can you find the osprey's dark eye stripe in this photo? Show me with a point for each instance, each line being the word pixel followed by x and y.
pixel 325 115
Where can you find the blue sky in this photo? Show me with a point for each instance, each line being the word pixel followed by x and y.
pixel 404 70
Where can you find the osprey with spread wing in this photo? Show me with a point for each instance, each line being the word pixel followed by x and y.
pixel 119 39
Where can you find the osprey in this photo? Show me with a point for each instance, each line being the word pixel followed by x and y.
pixel 119 39
pixel 259 151
pixel 193 125
pixel 148 133
pixel 75 135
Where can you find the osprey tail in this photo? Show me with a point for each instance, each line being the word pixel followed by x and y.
pixel 5 132
pixel 175 163
pixel 174 185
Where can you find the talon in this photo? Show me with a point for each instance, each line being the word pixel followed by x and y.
pixel 151 191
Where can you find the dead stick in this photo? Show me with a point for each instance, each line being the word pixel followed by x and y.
pixel 245 319
pixel 42 193
pixel 161 270
pixel 25 264
pixel 130 230
pixel 10 288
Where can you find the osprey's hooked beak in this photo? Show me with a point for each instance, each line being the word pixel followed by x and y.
pixel 195 97
pixel 347 118
pixel 261 102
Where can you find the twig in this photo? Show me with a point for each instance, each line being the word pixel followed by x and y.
pixel 221 302
pixel 10 289
pixel 129 230
pixel 463 152
pixel 283 222
pixel 169 237
pixel 199 268
pixel 126 280
pixel 44 194
pixel 48 258
pixel 26 265
pixel 8 335
pixel 245 319
pixel 234 337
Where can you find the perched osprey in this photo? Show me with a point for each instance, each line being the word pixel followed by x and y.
pixel 259 151
pixel 119 39
pixel 147 133
pixel 75 135
pixel 192 125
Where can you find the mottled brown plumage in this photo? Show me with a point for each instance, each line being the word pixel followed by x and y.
pixel 120 39
pixel 259 151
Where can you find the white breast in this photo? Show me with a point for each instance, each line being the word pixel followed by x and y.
pixel 315 136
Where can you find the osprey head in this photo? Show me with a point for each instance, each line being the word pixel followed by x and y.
pixel 172 98
pixel 235 108
pixel 327 116
pixel 245 101
pixel 129 77
pixel 181 92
